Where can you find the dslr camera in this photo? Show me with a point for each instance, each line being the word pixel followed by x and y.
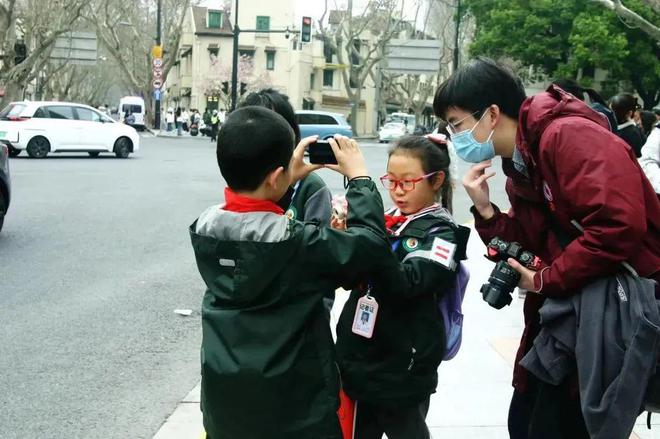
pixel 504 279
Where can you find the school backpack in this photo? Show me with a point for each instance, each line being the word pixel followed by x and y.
pixel 451 308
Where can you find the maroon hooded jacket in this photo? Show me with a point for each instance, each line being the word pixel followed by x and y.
pixel 577 170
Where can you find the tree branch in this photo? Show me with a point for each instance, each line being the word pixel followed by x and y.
pixel 625 13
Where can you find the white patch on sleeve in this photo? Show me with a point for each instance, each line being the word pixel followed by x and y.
pixel 442 252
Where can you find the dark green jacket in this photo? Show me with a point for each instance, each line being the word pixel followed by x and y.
pixel 311 201
pixel 398 365
pixel 268 367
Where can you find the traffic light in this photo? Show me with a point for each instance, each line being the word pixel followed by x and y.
pixel 306 32
pixel 20 52
pixel 225 87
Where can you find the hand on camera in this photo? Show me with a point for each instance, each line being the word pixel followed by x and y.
pixel 350 161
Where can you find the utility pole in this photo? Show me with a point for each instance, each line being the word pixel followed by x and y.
pixel 158 43
pixel 234 61
pixel 456 33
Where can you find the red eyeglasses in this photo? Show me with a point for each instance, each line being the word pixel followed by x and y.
pixel 407 185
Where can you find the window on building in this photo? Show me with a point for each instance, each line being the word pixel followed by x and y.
pixel 248 53
pixel 355 59
pixel 328 78
pixel 352 82
pixel 263 23
pixel 215 19
pixel 312 80
pixel 214 50
pixel 270 60
pixel 328 53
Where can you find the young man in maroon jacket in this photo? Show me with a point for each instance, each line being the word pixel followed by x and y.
pixel 562 164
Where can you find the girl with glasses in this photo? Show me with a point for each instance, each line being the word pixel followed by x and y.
pixel 392 373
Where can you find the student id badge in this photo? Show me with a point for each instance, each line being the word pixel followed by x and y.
pixel 365 316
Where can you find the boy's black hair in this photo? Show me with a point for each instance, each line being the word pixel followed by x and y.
pixel 574 88
pixel 276 101
pixel 477 85
pixel 621 104
pixel 434 157
pixel 253 142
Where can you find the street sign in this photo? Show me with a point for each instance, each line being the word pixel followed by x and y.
pixel 157 63
pixel 77 48
pixel 414 57
pixel 157 51
pixel 157 83
pixel 157 94
pixel 158 73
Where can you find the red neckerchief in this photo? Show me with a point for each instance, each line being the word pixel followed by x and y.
pixel 393 220
pixel 241 204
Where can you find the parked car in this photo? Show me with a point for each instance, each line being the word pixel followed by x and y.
pixel 5 182
pixel 391 131
pixel 322 124
pixel 45 127
pixel 133 106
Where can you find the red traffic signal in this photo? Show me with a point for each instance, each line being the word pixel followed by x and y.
pixel 306 31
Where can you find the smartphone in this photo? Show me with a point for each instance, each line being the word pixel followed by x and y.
pixel 320 153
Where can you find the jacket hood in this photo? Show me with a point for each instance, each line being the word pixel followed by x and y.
pixel 538 111
pixel 250 249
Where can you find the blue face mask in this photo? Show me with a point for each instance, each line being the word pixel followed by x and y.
pixel 467 147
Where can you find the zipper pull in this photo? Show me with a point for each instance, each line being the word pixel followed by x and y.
pixel 412 359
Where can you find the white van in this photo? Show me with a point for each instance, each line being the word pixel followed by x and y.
pixel 133 105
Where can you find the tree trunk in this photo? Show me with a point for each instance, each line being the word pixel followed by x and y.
pixel 355 109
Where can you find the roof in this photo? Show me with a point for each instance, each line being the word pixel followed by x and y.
pixel 199 19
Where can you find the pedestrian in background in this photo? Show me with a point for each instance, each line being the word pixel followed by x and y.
pixel 215 122
pixel 178 122
pixel 185 120
pixel 650 160
pixel 648 121
pixel 169 119
pixel 624 106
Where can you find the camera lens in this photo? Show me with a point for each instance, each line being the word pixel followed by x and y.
pixel 502 281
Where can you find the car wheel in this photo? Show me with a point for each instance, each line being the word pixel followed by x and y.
pixel 38 147
pixel 3 209
pixel 93 153
pixel 122 147
pixel 13 152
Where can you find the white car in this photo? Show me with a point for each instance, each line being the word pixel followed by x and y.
pixel 44 127
pixel 391 131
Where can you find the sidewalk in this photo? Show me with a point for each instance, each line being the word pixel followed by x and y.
pixel 474 389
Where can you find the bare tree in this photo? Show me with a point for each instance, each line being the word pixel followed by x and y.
pixel 412 92
pixel 632 17
pixel 127 31
pixel 37 24
pixel 359 41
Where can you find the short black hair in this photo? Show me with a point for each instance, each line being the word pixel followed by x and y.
pixel 276 101
pixel 253 142
pixel 621 104
pixel 479 84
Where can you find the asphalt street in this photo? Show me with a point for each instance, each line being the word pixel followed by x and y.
pixel 95 257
